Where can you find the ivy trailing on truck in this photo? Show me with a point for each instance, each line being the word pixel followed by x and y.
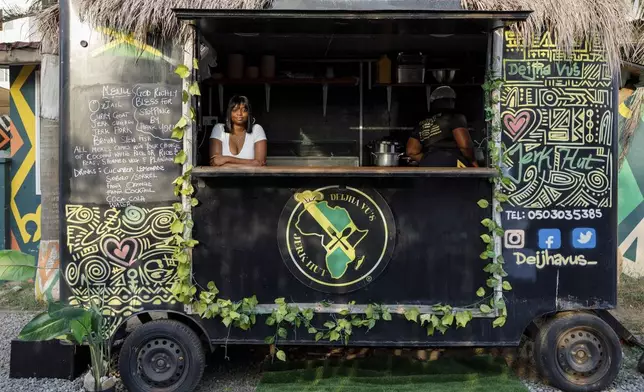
pixel 341 324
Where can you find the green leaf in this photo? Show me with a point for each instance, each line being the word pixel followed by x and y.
pixel 176 227
pixel 486 238
pixel 371 324
pixel 487 222
pixel 281 332
pixel 16 266
pixel 281 355
pixel 182 71
pixel 462 318
pixel 425 318
pixel 194 89
pixel 269 339
pixel 435 320
pixel 442 328
pixel 500 260
pixel 185 97
pixel 506 181
pixel 44 327
pixel 234 315
pixel 492 282
pixel 181 123
pixel 280 301
pixel 329 324
pixel 227 321
pixel 177 133
pixel 212 286
pixel 181 157
pixel 81 327
pixel 484 256
pixel 448 319
pixel 499 322
pixel 334 336
pixel 507 286
pixel 411 314
pixel 430 330
pixel 483 203
pixel 312 330
pixel 485 309
pixel 68 312
pixel 195 63
pixel 499 232
pixel 318 336
pixel 499 304
pixel 386 315
pixel 480 292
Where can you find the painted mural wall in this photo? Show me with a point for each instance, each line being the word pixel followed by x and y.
pixel 24 197
pixel 631 189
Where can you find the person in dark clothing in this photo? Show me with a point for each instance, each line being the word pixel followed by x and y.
pixel 443 138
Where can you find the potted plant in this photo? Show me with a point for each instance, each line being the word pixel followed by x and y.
pixel 82 326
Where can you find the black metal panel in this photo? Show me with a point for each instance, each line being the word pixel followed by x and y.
pixel 561 219
pixel 307 5
pixel 435 259
pixel 346 22
pixel 115 248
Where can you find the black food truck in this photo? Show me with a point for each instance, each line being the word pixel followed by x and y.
pixel 335 222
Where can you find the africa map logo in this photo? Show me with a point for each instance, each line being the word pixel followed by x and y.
pixel 336 239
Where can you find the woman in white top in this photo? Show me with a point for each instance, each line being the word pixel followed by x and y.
pixel 238 142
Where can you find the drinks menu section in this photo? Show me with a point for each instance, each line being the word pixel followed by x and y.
pixel 121 150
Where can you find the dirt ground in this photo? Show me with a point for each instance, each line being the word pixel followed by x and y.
pixel 630 304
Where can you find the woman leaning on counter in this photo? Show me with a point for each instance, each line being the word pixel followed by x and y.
pixel 238 142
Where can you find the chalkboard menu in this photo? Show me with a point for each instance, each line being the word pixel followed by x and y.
pixel 121 152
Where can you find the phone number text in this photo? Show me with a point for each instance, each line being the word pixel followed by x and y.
pixel 571 215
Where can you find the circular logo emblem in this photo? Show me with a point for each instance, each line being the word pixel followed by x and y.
pixel 336 239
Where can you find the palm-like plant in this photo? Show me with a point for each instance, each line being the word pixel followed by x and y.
pixel 81 325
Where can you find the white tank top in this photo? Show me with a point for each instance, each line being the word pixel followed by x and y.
pixel 248 149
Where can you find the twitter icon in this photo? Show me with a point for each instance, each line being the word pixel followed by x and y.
pixel 584 238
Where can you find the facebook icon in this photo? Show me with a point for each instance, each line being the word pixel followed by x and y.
pixel 549 239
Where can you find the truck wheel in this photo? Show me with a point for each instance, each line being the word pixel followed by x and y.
pixel 162 355
pixel 578 352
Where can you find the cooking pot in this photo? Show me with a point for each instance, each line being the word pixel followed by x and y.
pixel 385 146
pixel 386 158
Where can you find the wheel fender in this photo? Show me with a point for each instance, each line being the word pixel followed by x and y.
pixel 191 322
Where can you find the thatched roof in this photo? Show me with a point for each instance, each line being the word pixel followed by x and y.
pixel 570 20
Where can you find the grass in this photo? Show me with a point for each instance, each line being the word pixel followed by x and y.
pixel 392 374
pixel 19 296
pixel 630 303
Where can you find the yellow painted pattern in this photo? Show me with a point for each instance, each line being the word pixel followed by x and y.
pixel 624 111
pixel 128 39
pixel 29 120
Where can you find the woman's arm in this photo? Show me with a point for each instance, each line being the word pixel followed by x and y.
pixel 260 152
pixel 217 159
pixel 414 149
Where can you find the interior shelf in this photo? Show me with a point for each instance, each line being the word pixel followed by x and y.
pixel 324 82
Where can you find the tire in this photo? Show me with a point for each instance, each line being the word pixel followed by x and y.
pixel 162 355
pixel 578 352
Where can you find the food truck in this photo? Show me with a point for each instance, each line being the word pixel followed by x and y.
pixel 341 237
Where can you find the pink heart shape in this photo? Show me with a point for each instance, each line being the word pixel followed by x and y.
pixel 517 123
pixel 124 252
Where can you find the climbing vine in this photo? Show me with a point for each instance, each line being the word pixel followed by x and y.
pixel 340 325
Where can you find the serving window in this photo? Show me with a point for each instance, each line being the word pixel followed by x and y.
pixel 343 94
